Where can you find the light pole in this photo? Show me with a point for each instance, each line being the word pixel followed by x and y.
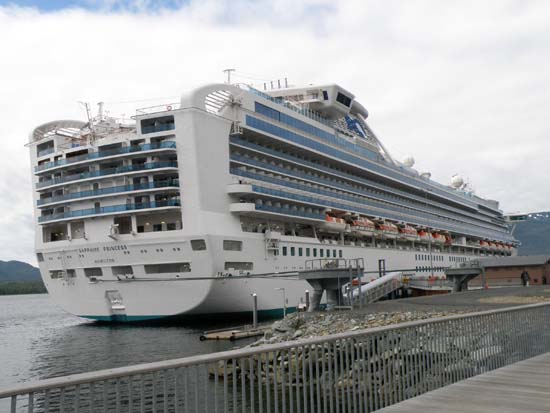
pixel 284 299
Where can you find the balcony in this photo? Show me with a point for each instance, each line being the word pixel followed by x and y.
pixel 109 152
pixel 111 190
pixel 113 209
pixel 106 172
pixel 45 152
pixel 251 209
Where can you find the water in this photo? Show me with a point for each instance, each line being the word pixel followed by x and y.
pixel 38 340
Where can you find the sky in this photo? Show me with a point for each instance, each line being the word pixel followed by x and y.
pixel 463 87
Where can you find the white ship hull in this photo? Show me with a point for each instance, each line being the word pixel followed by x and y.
pixel 200 204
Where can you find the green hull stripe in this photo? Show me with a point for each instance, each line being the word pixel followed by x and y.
pixel 273 313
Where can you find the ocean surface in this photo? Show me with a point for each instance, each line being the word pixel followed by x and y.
pixel 39 340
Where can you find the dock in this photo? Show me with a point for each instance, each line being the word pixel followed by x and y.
pixel 234 333
pixel 520 387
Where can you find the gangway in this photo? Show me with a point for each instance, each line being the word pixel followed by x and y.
pixel 378 288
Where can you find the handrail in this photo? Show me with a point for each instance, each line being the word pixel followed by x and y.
pixel 108 374
pixel 109 190
pixel 109 209
pixel 107 152
pixel 105 172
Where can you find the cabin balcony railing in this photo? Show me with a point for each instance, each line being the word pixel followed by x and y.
pixel 105 172
pixel 289 211
pixel 106 153
pixel 241 142
pixel 111 190
pixel 110 209
pixel 322 181
pixel 385 211
pixel 45 152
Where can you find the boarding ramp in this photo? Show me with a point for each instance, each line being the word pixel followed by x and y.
pixel 378 288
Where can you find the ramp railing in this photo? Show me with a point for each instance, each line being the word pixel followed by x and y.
pixel 358 371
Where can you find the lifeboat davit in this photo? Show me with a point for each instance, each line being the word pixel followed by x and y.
pixel 363 226
pixel 334 224
pixel 408 232
pixel 387 230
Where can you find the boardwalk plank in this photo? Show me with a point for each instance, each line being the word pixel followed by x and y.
pixel 520 387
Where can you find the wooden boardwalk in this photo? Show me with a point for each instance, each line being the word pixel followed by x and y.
pixel 521 387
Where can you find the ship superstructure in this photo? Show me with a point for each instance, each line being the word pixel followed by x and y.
pixel 199 204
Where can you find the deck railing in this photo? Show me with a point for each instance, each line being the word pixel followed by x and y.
pixel 357 371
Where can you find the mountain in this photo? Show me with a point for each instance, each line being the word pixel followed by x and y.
pixel 11 271
pixel 534 234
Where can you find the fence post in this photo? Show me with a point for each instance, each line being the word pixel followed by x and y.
pixel 307 300
pixel 254 310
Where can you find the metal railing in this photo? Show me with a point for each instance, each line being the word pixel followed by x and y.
pixel 358 371
pixel 106 172
pixel 110 209
pixel 170 183
pixel 107 152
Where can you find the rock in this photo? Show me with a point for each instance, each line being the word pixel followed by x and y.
pixel 298 333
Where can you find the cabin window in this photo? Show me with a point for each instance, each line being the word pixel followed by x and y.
pixel 160 124
pixel 167 268
pixel 198 245
pixel 39 256
pixel 325 95
pixel 284 251
pixel 54 274
pixel 230 245
pixel 292 251
pixel 237 265
pixel 340 253
pixel 321 252
pixel 333 253
pixel 300 252
pixel 343 99
pixel 307 252
pixel 93 272
pixel 314 252
pixel 123 270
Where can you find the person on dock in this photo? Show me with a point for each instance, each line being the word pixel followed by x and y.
pixel 525 278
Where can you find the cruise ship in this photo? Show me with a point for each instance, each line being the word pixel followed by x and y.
pixel 194 206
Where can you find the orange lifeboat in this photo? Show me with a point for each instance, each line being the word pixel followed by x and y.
pixel 363 226
pixel 424 236
pixel 334 224
pixel 408 232
pixel 448 240
pixel 438 238
pixel 388 230
pixel 484 244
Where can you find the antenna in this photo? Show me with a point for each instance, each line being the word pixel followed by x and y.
pixel 89 115
pixel 228 73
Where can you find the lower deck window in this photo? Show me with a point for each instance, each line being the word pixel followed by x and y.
pixel 93 272
pixel 167 268
pixel 123 270
pixel 239 265
pixel 198 245
pixel 61 273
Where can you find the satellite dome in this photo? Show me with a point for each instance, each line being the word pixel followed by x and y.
pixel 457 181
pixel 408 161
pixel 426 175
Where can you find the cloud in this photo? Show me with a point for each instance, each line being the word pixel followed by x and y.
pixel 461 86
